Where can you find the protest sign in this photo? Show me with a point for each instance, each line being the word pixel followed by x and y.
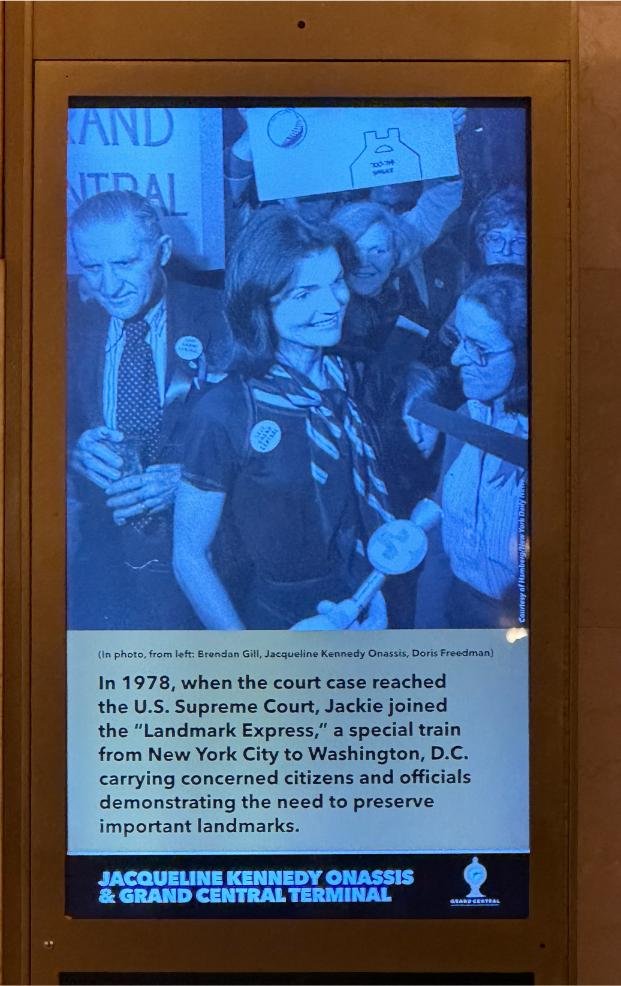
pixel 311 150
pixel 157 151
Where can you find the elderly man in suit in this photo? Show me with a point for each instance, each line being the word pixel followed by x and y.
pixel 140 349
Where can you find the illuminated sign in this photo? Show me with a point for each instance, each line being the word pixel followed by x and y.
pixel 297 511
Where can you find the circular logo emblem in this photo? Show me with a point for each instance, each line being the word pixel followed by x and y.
pixel 397 547
pixel 287 128
pixel 265 436
pixel 188 347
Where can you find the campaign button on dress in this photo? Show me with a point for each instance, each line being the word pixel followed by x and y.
pixel 188 347
pixel 265 435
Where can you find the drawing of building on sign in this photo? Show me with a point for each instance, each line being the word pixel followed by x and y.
pixel 385 160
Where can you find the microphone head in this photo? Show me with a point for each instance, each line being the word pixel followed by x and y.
pixel 397 547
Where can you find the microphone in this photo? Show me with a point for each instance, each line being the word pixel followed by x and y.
pixel 396 547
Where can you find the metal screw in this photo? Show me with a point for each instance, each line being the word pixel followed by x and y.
pixel 48 943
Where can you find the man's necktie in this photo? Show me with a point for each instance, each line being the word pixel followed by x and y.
pixel 138 411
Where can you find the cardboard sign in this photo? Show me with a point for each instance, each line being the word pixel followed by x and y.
pixel 308 150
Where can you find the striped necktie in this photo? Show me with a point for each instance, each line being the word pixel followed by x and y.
pixel 138 411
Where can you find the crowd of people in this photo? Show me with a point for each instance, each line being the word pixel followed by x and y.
pixel 232 450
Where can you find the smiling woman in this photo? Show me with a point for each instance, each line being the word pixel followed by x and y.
pixel 381 284
pixel 308 314
pixel 280 463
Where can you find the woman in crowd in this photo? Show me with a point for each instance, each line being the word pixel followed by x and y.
pixel 384 328
pixel 280 457
pixel 499 229
pixel 473 579
pixel 385 310
pixel 388 325
pixel 498 236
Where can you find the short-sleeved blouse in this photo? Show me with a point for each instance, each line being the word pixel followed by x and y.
pixel 291 530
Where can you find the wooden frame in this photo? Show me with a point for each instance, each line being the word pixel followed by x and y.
pixel 537 70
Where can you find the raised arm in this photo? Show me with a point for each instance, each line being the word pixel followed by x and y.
pixel 197 515
pixel 439 200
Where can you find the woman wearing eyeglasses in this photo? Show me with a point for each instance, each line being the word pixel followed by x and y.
pixel 498 236
pixel 473 581
pixel 499 228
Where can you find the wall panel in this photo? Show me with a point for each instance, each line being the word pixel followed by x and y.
pixel 599 494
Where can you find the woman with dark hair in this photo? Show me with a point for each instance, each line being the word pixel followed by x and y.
pixel 482 495
pixel 279 453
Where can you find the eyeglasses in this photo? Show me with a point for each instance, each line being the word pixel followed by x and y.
pixel 475 352
pixel 499 242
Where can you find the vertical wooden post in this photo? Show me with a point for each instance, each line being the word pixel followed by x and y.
pixel 1 543
pixel 17 220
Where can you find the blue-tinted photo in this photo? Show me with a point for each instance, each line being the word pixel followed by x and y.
pixel 297 367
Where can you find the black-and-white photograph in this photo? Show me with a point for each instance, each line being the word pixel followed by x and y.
pixel 297 366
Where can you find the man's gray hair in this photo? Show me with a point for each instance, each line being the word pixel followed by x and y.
pixel 111 207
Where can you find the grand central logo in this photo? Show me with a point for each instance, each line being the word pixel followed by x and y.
pixel 475 876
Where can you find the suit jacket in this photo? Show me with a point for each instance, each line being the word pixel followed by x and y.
pixel 96 540
pixel 121 577
pixel 190 311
